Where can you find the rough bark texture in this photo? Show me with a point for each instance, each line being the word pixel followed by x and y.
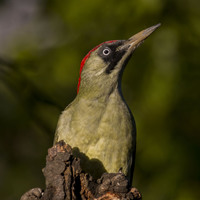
pixel 65 180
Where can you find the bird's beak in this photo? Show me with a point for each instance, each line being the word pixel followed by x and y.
pixel 133 42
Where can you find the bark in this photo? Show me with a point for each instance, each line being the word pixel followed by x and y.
pixel 65 180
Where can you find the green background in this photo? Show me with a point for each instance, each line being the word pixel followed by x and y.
pixel 41 46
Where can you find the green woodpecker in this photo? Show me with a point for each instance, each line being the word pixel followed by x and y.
pixel 98 124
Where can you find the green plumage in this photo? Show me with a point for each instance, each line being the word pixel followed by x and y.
pixel 98 123
pixel 102 129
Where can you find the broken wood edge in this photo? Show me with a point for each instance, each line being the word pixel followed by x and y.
pixel 65 180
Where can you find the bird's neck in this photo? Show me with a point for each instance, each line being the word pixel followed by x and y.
pixel 101 94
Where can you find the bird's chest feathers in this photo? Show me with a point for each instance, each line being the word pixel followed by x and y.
pixel 97 127
pixel 101 118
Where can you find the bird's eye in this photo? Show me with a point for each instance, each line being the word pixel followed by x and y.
pixel 106 51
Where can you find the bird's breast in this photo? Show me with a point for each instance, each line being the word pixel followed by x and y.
pixel 102 130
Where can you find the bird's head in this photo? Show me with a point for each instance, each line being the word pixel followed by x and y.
pixel 102 67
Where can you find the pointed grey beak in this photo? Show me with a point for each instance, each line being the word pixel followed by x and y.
pixel 134 41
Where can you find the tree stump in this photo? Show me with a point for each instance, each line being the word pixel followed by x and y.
pixel 65 180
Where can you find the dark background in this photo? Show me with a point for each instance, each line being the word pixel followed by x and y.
pixel 41 46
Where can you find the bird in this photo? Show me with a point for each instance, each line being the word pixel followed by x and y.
pixel 98 124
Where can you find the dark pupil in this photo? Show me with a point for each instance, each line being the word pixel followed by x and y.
pixel 106 51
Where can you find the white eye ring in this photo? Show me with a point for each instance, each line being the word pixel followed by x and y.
pixel 106 51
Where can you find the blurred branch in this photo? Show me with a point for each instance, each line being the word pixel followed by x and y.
pixel 5 62
pixel 17 82
pixel 41 96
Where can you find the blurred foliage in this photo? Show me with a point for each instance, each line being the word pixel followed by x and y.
pixel 39 69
